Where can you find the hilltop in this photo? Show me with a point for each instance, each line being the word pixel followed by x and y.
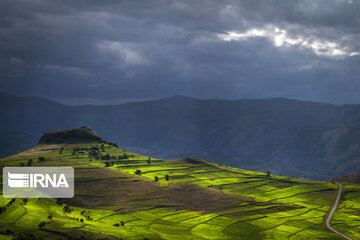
pixel 75 135
pixel 123 195
pixel 288 137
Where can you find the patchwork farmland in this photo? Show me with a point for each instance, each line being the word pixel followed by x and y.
pixel 123 195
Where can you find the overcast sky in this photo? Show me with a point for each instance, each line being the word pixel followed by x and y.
pixel 103 52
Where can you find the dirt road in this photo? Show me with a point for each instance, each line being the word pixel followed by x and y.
pixel 328 220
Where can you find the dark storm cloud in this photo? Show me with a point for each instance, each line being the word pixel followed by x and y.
pixel 110 51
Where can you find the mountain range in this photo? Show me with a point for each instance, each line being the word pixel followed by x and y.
pixel 287 137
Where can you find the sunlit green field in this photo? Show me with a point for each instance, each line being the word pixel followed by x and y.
pixel 191 199
pixel 347 217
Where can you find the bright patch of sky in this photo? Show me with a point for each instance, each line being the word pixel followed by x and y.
pixel 281 38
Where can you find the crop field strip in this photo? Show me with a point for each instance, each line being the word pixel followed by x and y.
pixel 201 200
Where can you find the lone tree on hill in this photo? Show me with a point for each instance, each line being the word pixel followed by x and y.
pixel 61 149
pixel 29 162
pixel 268 173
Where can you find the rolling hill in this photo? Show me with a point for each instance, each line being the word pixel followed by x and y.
pixel 349 178
pixel 123 195
pixel 288 137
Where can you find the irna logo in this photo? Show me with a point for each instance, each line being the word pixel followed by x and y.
pixel 34 180
pixel 38 182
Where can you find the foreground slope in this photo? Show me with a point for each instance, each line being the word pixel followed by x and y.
pixel 289 137
pixel 200 199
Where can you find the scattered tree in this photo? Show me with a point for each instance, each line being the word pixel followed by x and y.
pixel 11 202
pixel 42 224
pixel 29 162
pixel 156 178
pixel 167 177
pixel 138 172
pixel 41 159
pixel 67 209
pixel 59 201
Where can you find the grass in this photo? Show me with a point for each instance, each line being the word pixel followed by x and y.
pixel 201 200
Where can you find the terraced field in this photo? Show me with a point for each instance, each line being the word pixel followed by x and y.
pixel 120 198
pixel 347 216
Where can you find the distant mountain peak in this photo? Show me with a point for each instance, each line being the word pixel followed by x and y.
pixel 181 97
pixel 75 135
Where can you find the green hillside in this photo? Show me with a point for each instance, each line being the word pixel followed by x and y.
pixel 117 196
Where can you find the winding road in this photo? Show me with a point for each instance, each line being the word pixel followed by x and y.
pixel 328 220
